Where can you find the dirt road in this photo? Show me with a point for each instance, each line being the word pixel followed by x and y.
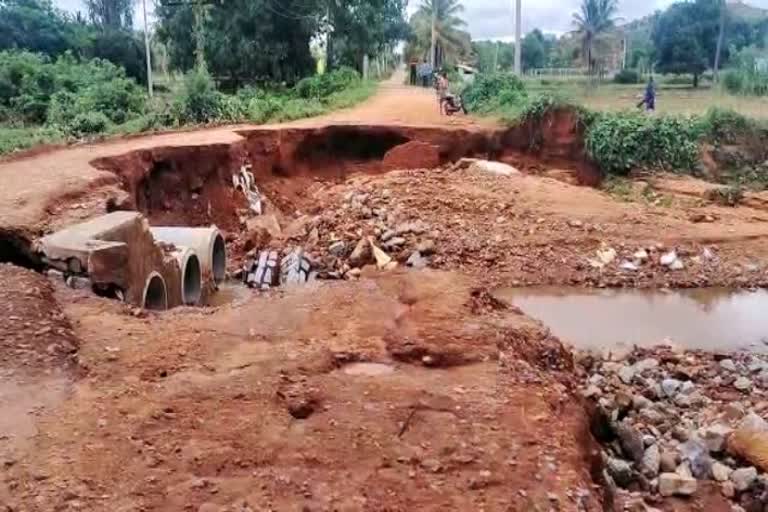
pixel 33 184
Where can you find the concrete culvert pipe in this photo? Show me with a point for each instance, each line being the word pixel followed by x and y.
pixel 155 296
pixel 208 245
pixel 191 276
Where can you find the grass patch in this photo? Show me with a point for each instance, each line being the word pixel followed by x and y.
pixel 18 139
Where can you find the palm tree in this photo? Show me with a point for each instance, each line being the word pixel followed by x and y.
pixel 437 27
pixel 594 19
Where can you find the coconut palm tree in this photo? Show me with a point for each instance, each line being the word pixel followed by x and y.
pixel 594 18
pixel 437 27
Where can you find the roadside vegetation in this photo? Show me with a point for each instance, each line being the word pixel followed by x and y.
pixel 67 77
pixel 625 141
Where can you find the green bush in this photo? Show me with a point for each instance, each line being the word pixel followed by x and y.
pixel 620 142
pixel 35 90
pixel 495 93
pixel 18 139
pixel 198 101
pixel 88 123
pixel 322 86
pixel 627 76
pixel 721 125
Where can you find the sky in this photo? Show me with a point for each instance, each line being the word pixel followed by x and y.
pixel 493 19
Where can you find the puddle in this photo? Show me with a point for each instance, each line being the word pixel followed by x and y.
pixel 368 369
pixel 229 293
pixel 709 318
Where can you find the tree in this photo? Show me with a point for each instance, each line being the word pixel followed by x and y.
pixel 493 53
pixel 595 18
pixel 685 37
pixel 35 25
pixel 438 32
pixel 536 50
pixel 111 14
pixel 365 27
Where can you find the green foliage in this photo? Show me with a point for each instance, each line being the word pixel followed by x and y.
pixel 321 86
pixel 685 37
pixel 747 77
pixel 620 142
pixel 452 43
pixel 17 139
pixel 88 123
pixel 627 76
pixel 495 93
pixel 199 101
pixel 726 126
pixel 489 53
pixel 535 50
pixel 34 90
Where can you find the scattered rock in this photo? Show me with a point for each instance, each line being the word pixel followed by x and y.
pixel 337 248
pixel 668 259
pixel 628 266
pixel 743 478
pixel 670 387
pixel 394 243
pixel 743 384
pixel 672 484
pixel 728 489
pixel 620 471
pixel 415 260
pixel 668 461
pixel 361 255
pixel 715 437
pixel 695 452
pixel 728 365
pixel 631 442
pixel 651 462
pixel 426 247
pixel 721 472
pixel 626 374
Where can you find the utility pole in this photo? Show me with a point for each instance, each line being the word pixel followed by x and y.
pixel 432 56
pixel 720 38
pixel 518 37
pixel 149 53
pixel 496 58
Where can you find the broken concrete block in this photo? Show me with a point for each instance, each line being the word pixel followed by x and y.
pixel 497 168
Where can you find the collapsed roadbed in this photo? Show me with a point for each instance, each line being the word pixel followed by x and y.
pixel 400 382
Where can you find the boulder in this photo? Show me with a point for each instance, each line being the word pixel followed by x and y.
pixel 743 478
pixel 673 484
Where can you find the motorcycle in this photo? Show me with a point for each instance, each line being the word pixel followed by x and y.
pixel 451 104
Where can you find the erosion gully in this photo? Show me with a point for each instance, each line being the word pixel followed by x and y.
pixel 411 390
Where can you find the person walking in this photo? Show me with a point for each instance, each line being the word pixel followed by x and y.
pixel 649 97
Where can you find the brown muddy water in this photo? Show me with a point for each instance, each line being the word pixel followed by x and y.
pixel 710 319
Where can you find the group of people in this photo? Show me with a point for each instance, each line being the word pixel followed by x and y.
pixel 421 74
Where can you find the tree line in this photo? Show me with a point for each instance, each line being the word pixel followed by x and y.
pixel 242 41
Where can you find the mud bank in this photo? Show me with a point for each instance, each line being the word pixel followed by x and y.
pixel 191 185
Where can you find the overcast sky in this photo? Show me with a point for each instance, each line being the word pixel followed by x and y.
pixel 492 19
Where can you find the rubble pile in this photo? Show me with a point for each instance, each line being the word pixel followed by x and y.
pixel 669 420
pixel 368 227
pixel 655 257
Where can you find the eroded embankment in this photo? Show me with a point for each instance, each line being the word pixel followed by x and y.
pixel 191 185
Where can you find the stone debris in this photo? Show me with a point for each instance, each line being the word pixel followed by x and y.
pixel 244 182
pixel 269 269
pixel 668 419
pixel 498 168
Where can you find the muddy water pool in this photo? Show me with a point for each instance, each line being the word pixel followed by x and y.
pixel 711 319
